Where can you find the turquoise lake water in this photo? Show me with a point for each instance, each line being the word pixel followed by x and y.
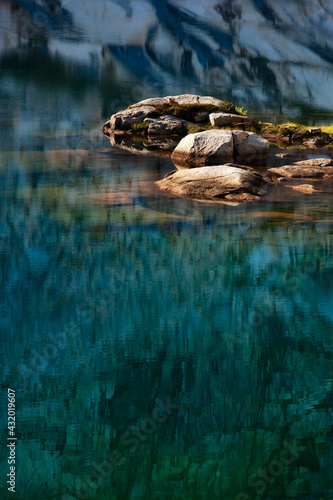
pixel 160 348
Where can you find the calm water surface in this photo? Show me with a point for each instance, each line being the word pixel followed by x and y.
pixel 159 348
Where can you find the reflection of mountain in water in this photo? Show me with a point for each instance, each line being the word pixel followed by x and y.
pixel 238 310
pixel 278 54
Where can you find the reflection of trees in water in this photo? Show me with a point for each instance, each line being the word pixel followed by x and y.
pixel 33 21
pixel 165 312
pixel 105 309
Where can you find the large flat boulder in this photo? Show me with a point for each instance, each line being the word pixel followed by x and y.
pixel 212 147
pixel 315 162
pixel 221 182
pixel 315 168
pixel 180 99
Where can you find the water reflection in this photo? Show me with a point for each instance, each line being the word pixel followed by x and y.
pixel 115 295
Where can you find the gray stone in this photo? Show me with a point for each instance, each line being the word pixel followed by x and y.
pixel 220 182
pixel 125 119
pixel 203 116
pixel 315 162
pixel 294 172
pixel 318 168
pixel 153 101
pixel 180 99
pixel 303 188
pixel 224 119
pixel 165 125
pixel 212 147
pixel 300 135
pixel 249 148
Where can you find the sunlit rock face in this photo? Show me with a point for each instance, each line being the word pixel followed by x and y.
pixel 253 51
pixel 227 182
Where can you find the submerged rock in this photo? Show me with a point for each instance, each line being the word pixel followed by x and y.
pixel 303 188
pixel 297 172
pixel 315 168
pixel 229 182
pixel 315 162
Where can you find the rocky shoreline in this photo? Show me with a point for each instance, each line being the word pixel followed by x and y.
pixel 214 146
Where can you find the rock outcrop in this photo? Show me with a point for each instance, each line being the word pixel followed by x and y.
pixel 220 153
pixel 172 115
pixel 214 147
pixel 233 183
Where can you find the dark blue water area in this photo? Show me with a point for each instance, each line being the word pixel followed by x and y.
pixel 159 348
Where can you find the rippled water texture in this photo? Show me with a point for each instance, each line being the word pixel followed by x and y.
pixel 160 348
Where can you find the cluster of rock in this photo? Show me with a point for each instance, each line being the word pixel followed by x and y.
pixel 205 168
pixel 125 121
pixel 212 164
pixel 172 115
pixel 310 137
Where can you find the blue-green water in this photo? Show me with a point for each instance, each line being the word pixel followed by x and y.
pixel 159 348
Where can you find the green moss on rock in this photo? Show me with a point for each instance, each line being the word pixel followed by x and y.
pixel 139 127
pixel 188 111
